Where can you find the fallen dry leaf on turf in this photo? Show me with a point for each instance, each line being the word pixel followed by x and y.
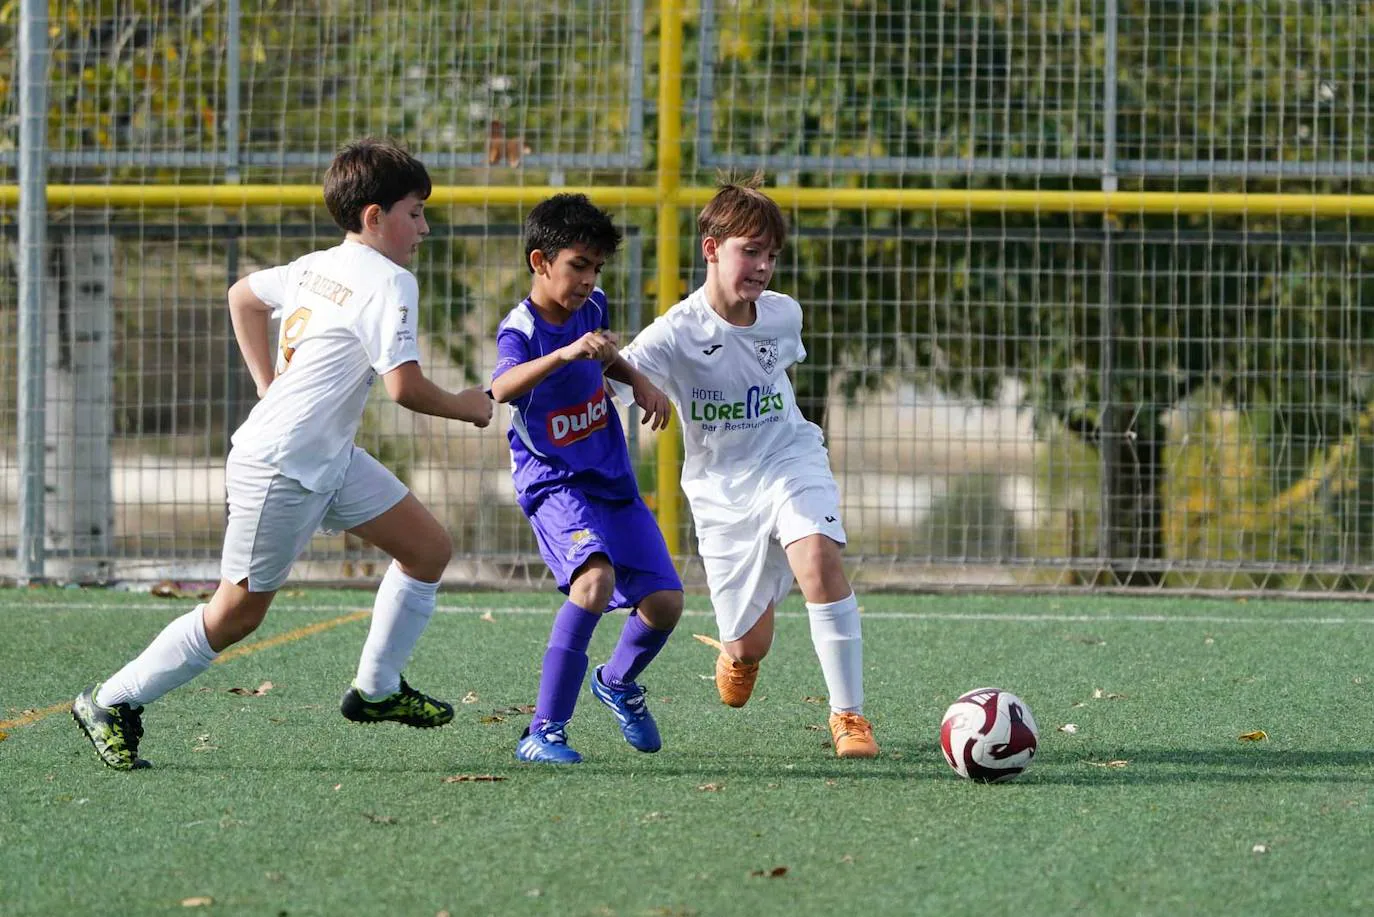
pixel 4 736
pixel 337 787
pixel 812 727
pixel 1259 735
pixel 259 691
pixel 518 708
pixel 488 617
pixel 470 697
pixel 381 819
pixel 847 858
pixel 489 720
pixel 168 589
pixel 1118 762
pixel 1099 694
pixel 709 641
pixel 812 699
pixel 1089 639
pixel 197 901
pixel 710 787
pixel 1260 848
pixel 1070 728
pixel 473 778
pixel 777 872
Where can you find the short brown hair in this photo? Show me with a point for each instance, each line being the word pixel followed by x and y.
pixel 740 209
pixel 371 171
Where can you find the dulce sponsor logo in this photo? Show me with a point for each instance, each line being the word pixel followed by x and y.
pixel 570 424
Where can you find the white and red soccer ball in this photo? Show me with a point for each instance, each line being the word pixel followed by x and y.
pixel 988 735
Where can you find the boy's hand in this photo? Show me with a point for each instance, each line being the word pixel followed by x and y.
pixel 655 405
pixel 594 345
pixel 476 406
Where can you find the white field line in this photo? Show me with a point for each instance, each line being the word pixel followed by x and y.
pixel 972 617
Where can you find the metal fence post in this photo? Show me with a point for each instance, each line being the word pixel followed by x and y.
pixel 33 216
pixel 1110 471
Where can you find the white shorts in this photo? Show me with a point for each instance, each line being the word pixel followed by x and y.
pixel 746 561
pixel 272 517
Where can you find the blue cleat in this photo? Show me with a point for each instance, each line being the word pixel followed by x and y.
pixel 636 722
pixel 547 745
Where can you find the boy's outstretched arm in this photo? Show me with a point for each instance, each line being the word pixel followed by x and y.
pixel 519 379
pixel 411 389
pixel 251 318
pixel 658 410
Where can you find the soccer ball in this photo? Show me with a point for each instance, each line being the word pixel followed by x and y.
pixel 988 735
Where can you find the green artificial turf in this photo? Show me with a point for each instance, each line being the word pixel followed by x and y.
pixel 274 804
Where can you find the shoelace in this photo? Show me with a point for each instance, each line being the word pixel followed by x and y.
pixel 634 699
pixel 739 674
pixel 852 725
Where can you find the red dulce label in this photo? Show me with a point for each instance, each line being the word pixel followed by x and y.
pixel 568 425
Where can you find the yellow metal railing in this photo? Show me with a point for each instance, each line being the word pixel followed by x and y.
pixel 669 197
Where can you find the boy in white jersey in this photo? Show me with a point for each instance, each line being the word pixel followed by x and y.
pixel 348 315
pixel 756 472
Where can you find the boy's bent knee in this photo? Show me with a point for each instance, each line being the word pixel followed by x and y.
pixel 818 565
pixel 662 610
pixel 593 584
pixel 234 613
pixel 428 562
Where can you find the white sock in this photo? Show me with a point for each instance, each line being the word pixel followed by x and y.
pixel 178 654
pixel 400 613
pixel 838 638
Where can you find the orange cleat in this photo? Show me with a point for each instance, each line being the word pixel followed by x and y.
pixel 735 680
pixel 851 733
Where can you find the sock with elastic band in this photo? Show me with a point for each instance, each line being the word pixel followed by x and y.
pixel 176 655
pixel 400 614
pixel 838 638
pixel 565 664
pixel 638 645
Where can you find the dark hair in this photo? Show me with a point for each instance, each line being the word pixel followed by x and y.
pixel 371 171
pixel 565 220
pixel 740 209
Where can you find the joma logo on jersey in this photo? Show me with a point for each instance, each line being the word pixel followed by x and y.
pixel 758 401
pixel 568 425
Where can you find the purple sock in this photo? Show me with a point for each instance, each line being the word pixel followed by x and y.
pixel 565 664
pixel 639 644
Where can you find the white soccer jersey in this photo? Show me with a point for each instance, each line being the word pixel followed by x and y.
pixel 347 313
pixel 743 430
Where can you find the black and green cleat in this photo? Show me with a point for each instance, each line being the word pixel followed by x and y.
pixel 114 731
pixel 406 706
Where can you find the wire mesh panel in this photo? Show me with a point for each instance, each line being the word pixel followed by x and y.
pixel 178 390
pixel 1082 394
pixel 139 88
pixel 1004 88
pixel 1257 88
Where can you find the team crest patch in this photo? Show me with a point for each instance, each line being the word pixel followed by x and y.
pixel 767 352
pixel 578 538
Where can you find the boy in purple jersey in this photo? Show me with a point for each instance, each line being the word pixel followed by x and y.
pixel 574 480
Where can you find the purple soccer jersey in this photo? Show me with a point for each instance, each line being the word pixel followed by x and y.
pixel 572 471
pixel 564 432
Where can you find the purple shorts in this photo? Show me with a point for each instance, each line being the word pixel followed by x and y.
pixel 571 527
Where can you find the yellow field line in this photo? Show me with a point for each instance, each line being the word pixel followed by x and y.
pixel 246 649
pixel 290 636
